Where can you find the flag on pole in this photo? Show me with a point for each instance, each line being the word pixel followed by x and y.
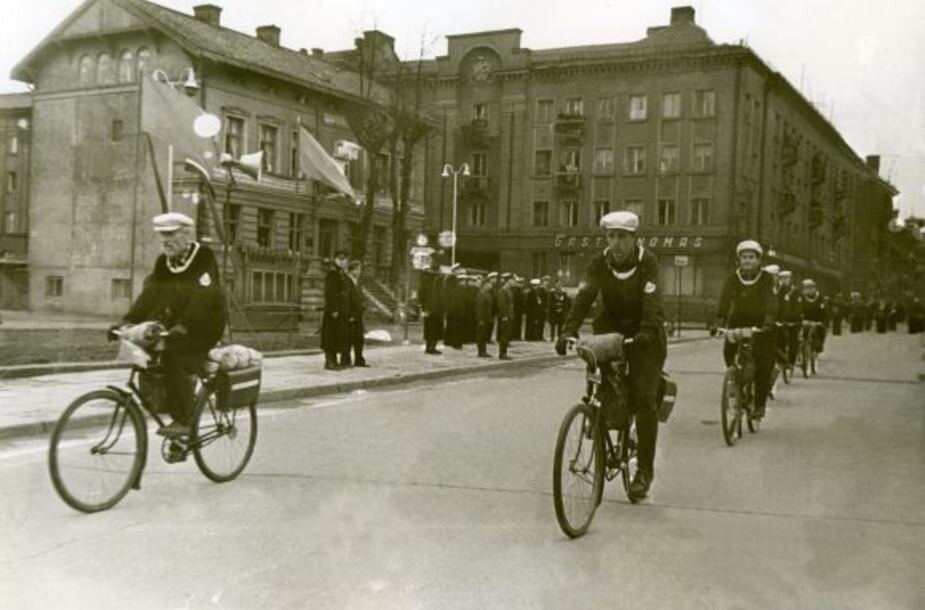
pixel 317 164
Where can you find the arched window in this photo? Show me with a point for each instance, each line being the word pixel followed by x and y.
pixel 144 55
pixel 104 71
pixel 126 67
pixel 85 71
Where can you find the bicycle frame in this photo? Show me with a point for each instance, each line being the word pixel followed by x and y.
pixel 594 380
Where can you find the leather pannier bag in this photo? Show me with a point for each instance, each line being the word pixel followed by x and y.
pixel 240 388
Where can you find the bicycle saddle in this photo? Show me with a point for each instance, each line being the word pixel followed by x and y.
pixel 598 350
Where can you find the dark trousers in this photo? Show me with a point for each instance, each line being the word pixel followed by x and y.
pixel 483 334
pixel 180 369
pixel 555 326
pixel 517 324
pixel 763 350
pixel 857 324
pixel 836 326
pixel 786 337
pixel 645 368
pixel 357 330
pixel 504 335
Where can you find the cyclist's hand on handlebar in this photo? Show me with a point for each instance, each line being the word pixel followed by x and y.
pixel 563 344
pixel 175 332
pixel 714 331
pixel 114 331
pixel 643 339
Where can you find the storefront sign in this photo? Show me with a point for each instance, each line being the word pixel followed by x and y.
pixel 599 242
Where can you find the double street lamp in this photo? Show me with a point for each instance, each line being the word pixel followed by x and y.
pixel 448 171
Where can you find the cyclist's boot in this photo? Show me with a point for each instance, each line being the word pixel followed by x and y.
pixel 758 413
pixel 639 488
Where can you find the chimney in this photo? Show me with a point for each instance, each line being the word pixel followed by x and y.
pixel 682 15
pixel 269 34
pixel 873 163
pixel 208 13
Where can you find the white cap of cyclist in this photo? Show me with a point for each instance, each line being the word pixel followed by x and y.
pixel 808 283
pixel 772 269
pixel 749 245
pixel 623 220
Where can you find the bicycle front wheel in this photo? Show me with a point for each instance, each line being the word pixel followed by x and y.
pixel 729 408
pixel 805 358
pixel 223 438
pixel 96 450
pixel 578 470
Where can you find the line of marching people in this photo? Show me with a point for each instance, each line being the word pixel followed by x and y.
pixel 461 307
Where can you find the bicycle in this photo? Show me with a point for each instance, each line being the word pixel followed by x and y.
pixel 738 398
pixel 99 446
pixel 808 354
pixel 783 354
pixel 585 453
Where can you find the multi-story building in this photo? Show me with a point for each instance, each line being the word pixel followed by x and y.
pixel 15 125
pixel 92 189
pixel 705 141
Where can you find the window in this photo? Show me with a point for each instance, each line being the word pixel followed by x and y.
pixel 234 222
pixel 54 286
pixel 544 110
pixel 121 289
pixel 637 108
pixel 269 135
pixel 13 146
pixel 11 182
pixel 605 110
pixel 543 163
pixel 327 238
pixel 265 228
pixel 700 212
pixel 703 157
pixel 479 111
pixel 105 75
pixel 234 136
pixel 117 129
pixel 477 213
pixel 141 60
pixel 540 213
pixel 85 71
pixel 668 160
pixel 666 212
pixel 704 103
pixel 294 155
pixel 635 160
pixel 380 237
pixel 353 236
pixel 600 209
pixel 272 287
pixel 603 161
pixel 570 161
pixel 635 206
pixel 671 106
pixel 9 223
pixel 568 213
pixel 574 106
pixel 479 163
pixel 539 264
pixel 126 68
pixel 296 229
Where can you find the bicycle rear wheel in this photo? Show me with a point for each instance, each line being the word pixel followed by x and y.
pixel 578 470
pixel 805 358
pixel 223 438
pixel 814 358
pixel 730 409
pixel 786 371
pixel 96 450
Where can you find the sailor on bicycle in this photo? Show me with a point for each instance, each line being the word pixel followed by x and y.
pixel 747 301
pixel 626 276
pixel 815 309
pixel 789 313
pixel 184 294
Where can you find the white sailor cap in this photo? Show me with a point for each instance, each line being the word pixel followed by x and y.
pixel 749 244
pixel 491 275
pixel 620 221
pixel 808 283
pixel 535 282
pixel 773 269
pixel 171 221
pixel 785 273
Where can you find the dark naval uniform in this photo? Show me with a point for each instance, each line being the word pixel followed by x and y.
pixel 186 297
pixel 433 303
pixel 335 324
pixel 815 310
pixel 558 308
pixel 632 306
pixel 484 318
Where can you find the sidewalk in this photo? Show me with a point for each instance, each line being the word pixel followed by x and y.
pixel 31 406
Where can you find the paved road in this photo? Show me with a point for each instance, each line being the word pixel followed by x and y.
pixel 438 496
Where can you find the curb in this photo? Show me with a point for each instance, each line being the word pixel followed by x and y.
pixel 43 428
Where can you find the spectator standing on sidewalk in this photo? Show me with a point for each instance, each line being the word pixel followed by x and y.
pixel 858 312
pixel 357 328
pixel 838 310
pixel 559 304
pixel 505 316
pixel 433 305
pixel 532 304
pixel 335 339
pixel 455 311
pixel 543 291
pixel 484 318
pixel 517 290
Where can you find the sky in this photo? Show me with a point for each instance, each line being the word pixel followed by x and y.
pixel 861 62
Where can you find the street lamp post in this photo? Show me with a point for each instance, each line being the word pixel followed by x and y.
pixel 447 172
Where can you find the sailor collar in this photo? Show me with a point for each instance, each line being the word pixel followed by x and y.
pixel 622 275
pixel 811 300
pixel 186 262
pixel 750 282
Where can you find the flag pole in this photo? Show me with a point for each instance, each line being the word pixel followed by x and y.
pixel 170 178
pixel 297 283
pixel 132 244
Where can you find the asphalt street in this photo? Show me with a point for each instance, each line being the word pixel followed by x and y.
pixel 438 495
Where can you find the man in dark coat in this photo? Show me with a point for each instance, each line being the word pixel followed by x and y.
pixel 858 311
pixel 533 303
pixel 517 323
pixel 184 294
pixel 838 309
pixel 559 304
pixel 335 331
pixel 433 306
pixel 484 314
pixel 357 329
pixel 455 312
pixel 505 317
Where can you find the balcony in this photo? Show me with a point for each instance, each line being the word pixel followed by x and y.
pixel 568 182
pixel 476 187
pixel 816 215
pixel 476 134
pixel 570 127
